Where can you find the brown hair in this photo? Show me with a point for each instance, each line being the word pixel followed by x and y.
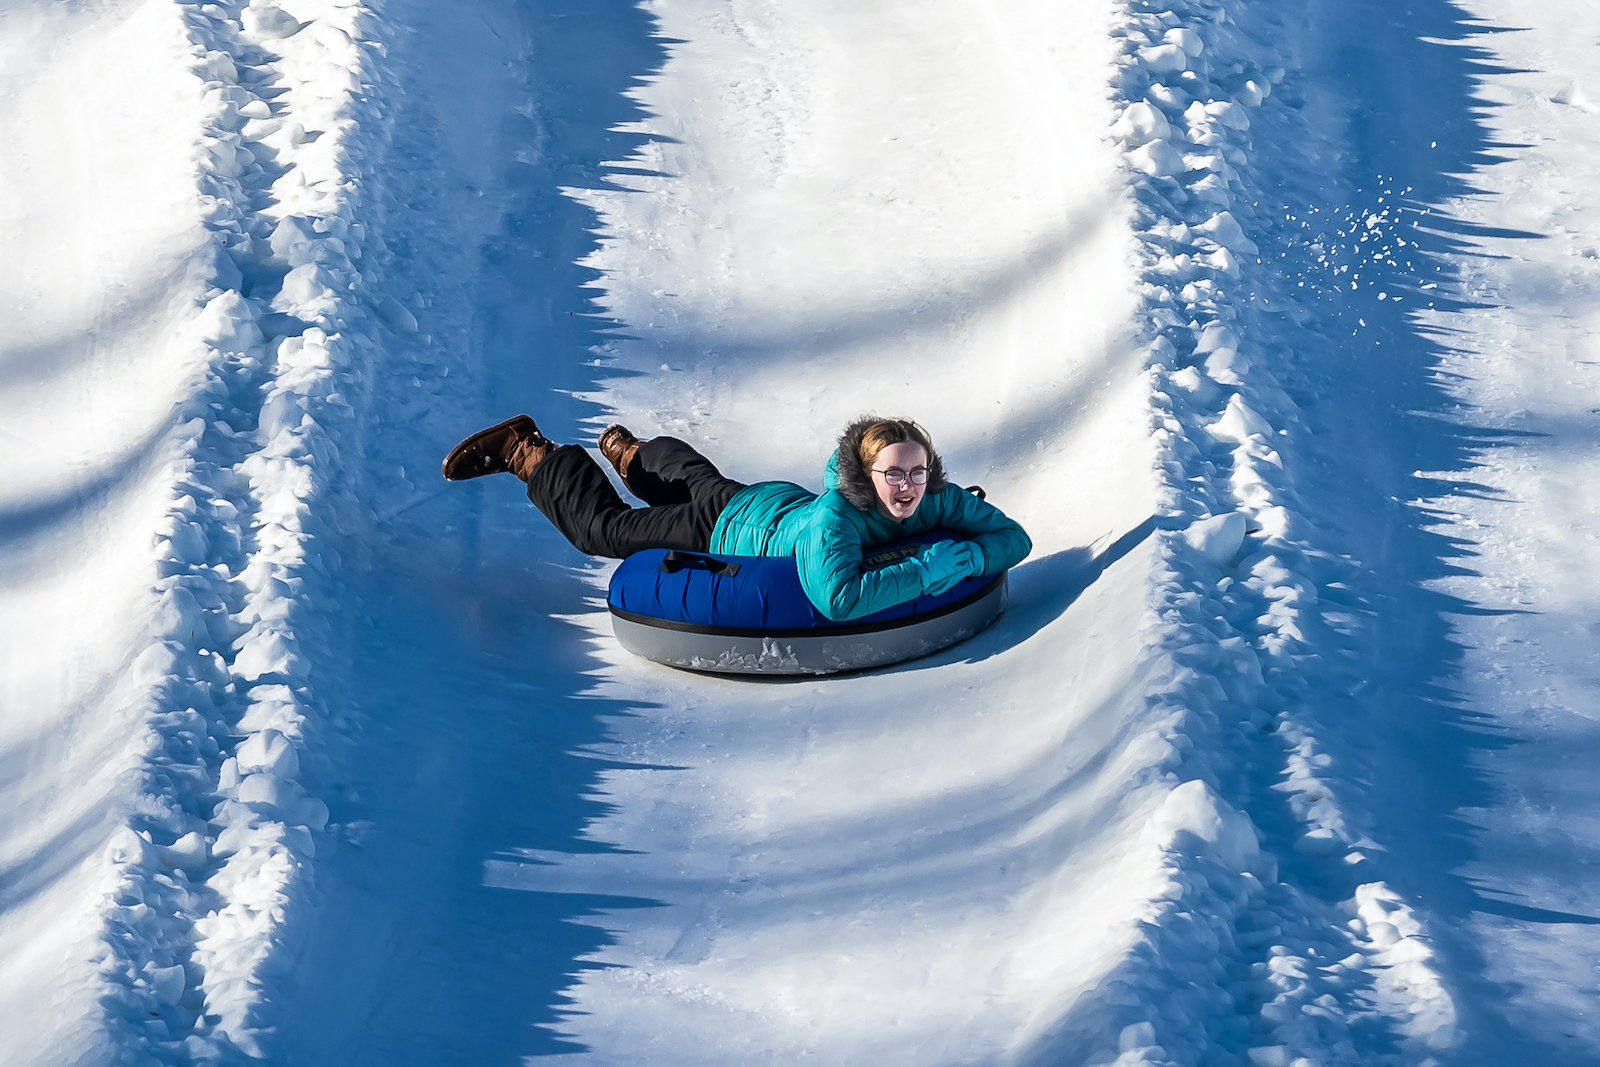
pixel 882 433
pixel 858 449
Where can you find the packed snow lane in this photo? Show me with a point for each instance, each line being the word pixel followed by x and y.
pixel 924 864
pixel 1524 366
pixel 190 334
pixel 95 265
pixel 1408 782
pixel 928 864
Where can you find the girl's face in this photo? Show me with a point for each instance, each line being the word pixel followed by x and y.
pixel 896 474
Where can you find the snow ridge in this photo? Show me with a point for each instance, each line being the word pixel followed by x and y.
pixel 206 875
pixel 1248 957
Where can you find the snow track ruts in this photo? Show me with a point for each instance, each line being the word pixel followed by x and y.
pixel 1285 954
pixel 207 875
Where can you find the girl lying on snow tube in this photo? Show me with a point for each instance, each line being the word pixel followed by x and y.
pixel 885 483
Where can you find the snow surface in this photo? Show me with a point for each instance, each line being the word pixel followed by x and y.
pixel 1275 324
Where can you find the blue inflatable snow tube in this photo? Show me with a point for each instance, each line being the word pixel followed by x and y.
pixel 749 614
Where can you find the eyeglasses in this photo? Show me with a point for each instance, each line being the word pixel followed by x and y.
pixel 897 477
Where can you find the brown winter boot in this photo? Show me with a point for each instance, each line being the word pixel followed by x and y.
pixel 619 446
pixel 515 446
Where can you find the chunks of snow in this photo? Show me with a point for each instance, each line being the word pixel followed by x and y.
pixel 187 853
pixel 1184 38
pixel 1194 809
pixel 1169 97
pixel 1224 229
pixel 1190 380
pixel 1157 159
pixel 156 663
pixel 1228 114
pixel 1164 58
pixel 1215 335
pixel 1407 984
pixel 268 652
pixel 309 291
pixel 167 983
pixel 1217 539
pixel 180 617
pixel 1141 123
pixel 217 66
pixel 227 323
pixel 132 849
pixel 266 22
pixel 294 241
pixel 266 789
pixel 1239 421
pixel 227 156
pixel 269 752
pixel 1253 92
pixel 1227 366
pixel 279 796
pixel 283 410
pixel 271 706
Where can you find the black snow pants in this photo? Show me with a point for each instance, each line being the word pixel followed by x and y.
pixel 684 490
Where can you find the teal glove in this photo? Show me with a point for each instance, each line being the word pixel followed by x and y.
pixel 975 557
pixel 947 562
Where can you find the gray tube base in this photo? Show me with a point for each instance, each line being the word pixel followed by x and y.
pixel 820 652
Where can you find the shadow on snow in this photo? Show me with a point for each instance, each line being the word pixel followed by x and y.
pixel 1398 84
pixel 478 711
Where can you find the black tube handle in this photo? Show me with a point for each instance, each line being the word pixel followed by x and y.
pixel 675 560
pixel 977 491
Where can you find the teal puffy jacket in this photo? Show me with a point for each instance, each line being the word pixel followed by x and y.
pixel 828 537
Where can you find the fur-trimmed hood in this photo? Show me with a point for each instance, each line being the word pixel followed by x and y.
pixel 846 474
